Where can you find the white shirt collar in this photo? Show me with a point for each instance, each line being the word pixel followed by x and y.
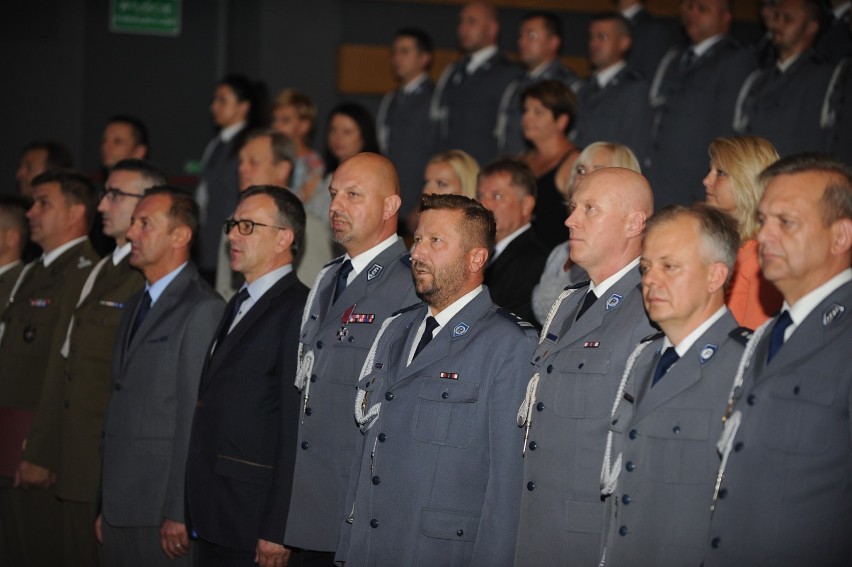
pixel 48 257
pixel 604 76
pixel 258 288
pixel 841 10
pixel 443 317
pixel 602 288
pixel 227 134
pixel 539 71
pixel 704 46
pixel 477 58
pixel 363 259
pixel 630 12
pixel 414 83
pixel 683 346
pixel 120 253
pixel 784 65
pixel 808 302
pixel 9 266
pixel 500 246
pixel 156 289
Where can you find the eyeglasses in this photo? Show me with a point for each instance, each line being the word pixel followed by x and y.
pixel 114 194
pixel 246 226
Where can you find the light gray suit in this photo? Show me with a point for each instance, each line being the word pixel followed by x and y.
pixel 580 364
pixel 148 418
pixel 666 434
pixel 786 497
pixel 436 476
pixel 327 430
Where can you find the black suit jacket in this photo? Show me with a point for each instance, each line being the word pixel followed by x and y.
pixel 515 272
pixel 242 448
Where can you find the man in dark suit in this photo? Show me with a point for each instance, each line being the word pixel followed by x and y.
pixel 539 44
pixel 467 98
pixel 33 321
pixel 835 41
pixel 405 131
pixel 783 102
pixel 160 348
pixel 668 416
pixel 435 478
pixel 506 187
pixel 612 104
pixel 693 95
pixel 577 367
pixel 14 235
pixel 786 477
pixel 243 443
pixel 66 433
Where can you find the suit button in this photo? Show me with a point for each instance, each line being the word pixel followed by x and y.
pixel 445 395
pixel 459 533
pixel 630 466
pixel 382 437
pixel 374 523
pixel 626 499
pixel 305 444
pixel 796 390
pixel 722 493
pixel 308 411
pixel 738 447
pixel 530 486
pixel 623 530
pixel 533 445
pixel 633 434
pixel 319 344
pixel 715 542
pixel 351 339
pixel 117 386
pixel 751 400
pixel 376 480
pixel 389 396
pixel 549 368
pixel 676 429
pixel 313 377
pixel 540 406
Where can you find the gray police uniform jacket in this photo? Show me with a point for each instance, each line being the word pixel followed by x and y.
pixel 327 430
pixel 666 436
pixel 437 474
pixel 786 493
pixel 580 364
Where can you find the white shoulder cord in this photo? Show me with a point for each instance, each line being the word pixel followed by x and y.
pixel 11 299
pixel 733 420
pixel 828 116
pixel 525 411
pixel 610 470
pixel 362 416
pixel 503 114
pixel 306 360
pixel 654 97
pixel 740 117
pixel 87 289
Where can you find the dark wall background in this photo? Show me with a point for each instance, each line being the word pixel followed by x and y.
pixel 66 73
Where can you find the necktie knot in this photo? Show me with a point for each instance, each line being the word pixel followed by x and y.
pixel 669 357
pixel 776 341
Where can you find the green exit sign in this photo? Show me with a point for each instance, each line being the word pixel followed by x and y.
pixel 150 17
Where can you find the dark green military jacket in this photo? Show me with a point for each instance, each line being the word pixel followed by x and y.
pixel 7 282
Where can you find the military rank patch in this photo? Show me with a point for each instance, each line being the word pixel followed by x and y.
pixel 40 303
pixel 460 329
pixel 449 375
pixel 551 337
pixel 613 301
pixel 591 344
pixel 374 272
pixel 834 312
pixel 707 353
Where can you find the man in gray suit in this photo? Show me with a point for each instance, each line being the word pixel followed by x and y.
pixel 585 343
pixel 786 475
pixel 350 299
pixel 436 475
pixel 660 461
pixel 162 343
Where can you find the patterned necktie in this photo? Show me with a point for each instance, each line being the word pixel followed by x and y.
pixel 776 341
pixel 431 325
pixel 669 357
pixel 342 278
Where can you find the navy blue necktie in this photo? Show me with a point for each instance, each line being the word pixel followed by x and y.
pixel 777 340
pixel 587 302
pixel 238 302
pixel 431 325
pixel 669 357
pixel 342 278
pixel 144 307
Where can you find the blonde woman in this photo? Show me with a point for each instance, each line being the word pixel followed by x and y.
pixel 560 271
pixel 732 186
pixel 452 172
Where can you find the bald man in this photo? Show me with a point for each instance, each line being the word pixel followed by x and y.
pixel 577 368
pixel 467 98
pixel 350 299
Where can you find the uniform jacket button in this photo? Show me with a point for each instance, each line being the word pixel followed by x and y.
pixel 374 523
pixel 530 486
pixel 389 396
pixel 305 444
pixel 382 437
pixel 540 406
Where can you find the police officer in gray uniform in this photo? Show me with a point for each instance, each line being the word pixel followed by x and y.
pixel 588 335
pixel 345 309
pixel 660 461
pixel 436 477
pixel 786 474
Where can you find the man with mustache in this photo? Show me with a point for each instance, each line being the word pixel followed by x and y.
pixel 350 299
pixel 435 480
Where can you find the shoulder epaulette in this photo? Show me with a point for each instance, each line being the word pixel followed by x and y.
pixel 409 308
pixel 515 319
pixel 652 337
pixel 337 260
pixel 741 334
pixel 577 285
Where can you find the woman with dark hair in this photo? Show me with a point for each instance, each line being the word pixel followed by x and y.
pixel 238 106
pixel 549 111
pixel 350 131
